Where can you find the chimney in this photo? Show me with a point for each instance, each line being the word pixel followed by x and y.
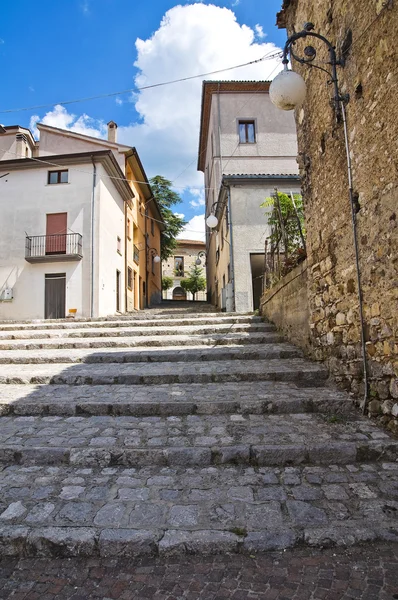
pixel 112 134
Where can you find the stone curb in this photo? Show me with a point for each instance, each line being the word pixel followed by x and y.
pixel 169 408
pixel 139 355
pixel 245 454
pixel 66 542
pixel 139 332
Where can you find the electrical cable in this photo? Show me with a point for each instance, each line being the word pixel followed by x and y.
pixel 145 87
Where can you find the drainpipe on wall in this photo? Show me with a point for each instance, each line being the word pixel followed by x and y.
pixel 231 246
pixel 146 257
pixel 92 236
pixel 125 258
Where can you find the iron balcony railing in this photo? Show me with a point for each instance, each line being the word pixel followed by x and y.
pixel 60 246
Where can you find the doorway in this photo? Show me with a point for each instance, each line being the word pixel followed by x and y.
pixel 257 269
pixel 56 228
pixel 54 296
pixel 118 281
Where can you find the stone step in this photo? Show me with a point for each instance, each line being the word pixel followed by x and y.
pixel 71 324
pixel 269 397
pixel 143 354
pixel 221 339
pixel 193 440
pixel 137 331
pixel 131 512
pixel 294 369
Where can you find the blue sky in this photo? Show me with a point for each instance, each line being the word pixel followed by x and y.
pixel 56 51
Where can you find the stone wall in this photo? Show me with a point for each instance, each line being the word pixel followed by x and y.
pixel 286 305
pixel 364 33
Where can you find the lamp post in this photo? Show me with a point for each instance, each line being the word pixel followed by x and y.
pixel 288 91
pixel 201 254
pixel 212 220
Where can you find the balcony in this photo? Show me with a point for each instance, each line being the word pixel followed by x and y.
pixel 53 248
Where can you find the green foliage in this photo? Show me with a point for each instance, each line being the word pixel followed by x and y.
pixel 167 283
pixel 166 198
pixel 288 232
pixel 195 282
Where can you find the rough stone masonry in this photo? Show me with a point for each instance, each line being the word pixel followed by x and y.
pixel 364 34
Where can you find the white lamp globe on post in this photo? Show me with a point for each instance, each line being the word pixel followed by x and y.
pixel 287 90
pixel 198 262
pixel 156 259
pixel 212 221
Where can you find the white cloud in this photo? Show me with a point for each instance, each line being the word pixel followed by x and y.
pixel 2 41
pixel 191 39
pixel 199 197
pixel 194 229
pixel 118 101
pixel 59 117
pixel 181 215
pixel 259 31
pixel 235 3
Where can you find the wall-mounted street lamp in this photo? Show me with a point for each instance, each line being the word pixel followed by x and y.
pixel 154 253
pixel 201 254
pixel 212 220
pixel 287 91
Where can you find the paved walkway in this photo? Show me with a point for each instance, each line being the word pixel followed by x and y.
pixel 360 573
pixel 185 441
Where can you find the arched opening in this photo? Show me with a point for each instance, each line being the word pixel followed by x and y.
pixel 179 293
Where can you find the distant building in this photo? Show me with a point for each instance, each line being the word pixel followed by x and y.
pixel 179 265
pixel 69 222
pixel 247 148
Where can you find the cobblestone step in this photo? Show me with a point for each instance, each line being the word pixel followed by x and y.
pixel 71 324
pixel 193 440
pixel 111 512
pixel 158 341
pixel 142 354
pixel 294 369
pixel 269 397
pixel 123 331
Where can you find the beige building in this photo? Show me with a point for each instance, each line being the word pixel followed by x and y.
pixel 178 266
pixel 247 148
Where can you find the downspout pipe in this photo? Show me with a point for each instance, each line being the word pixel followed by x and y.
pixel 146 257
pixel 93 237
pixel 358 270
pixel 231 245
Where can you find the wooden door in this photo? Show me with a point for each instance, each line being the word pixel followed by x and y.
pixel 56 229
pixel 54 296
pixel 118 280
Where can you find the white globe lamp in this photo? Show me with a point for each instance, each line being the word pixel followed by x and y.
pixel 287 90
pixel 156 259
pixel 198 262
pixel 212 221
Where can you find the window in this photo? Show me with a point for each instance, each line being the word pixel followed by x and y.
pixel 247 132
pixel 179 266
pixel 130 278
pixel 153 226
pixel 57 177
pixel 119 245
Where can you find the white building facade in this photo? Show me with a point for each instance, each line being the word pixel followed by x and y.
pixel 62 227
pixel 247 148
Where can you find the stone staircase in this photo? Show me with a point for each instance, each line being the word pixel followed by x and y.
pixel 177 432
